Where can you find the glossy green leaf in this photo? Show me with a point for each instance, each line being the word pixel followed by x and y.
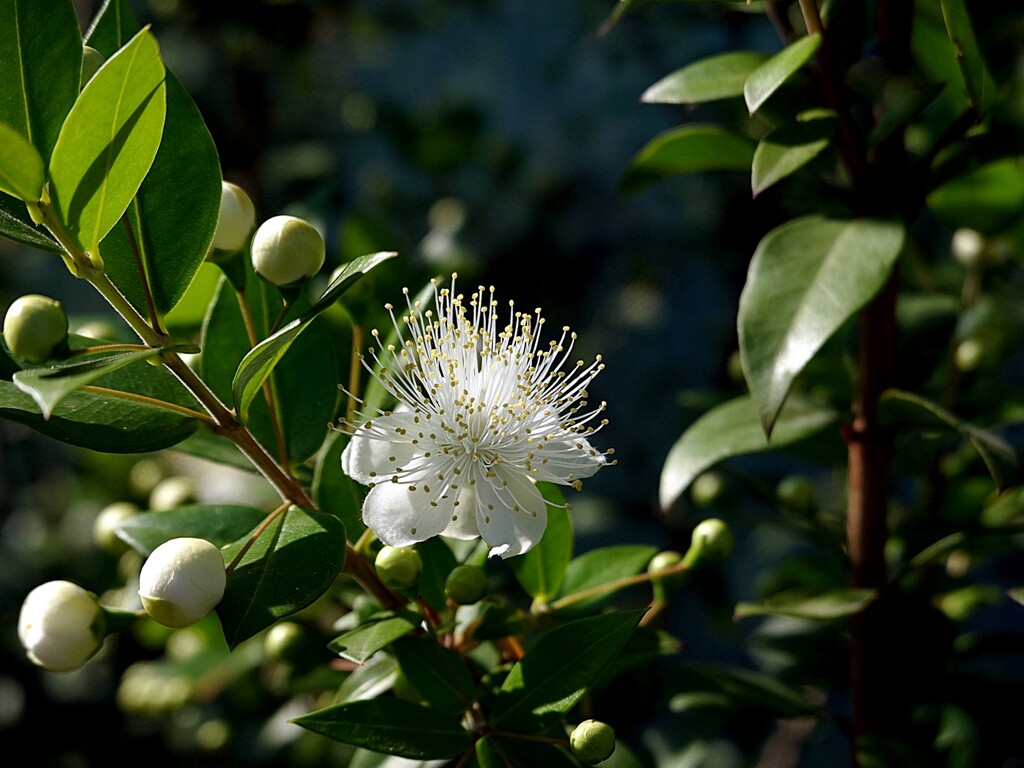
pixel 988 198
pixel 978 82
pixel 392 726
pixel 108 141
pixel 49 386
pixel 806 279
pixel 787 150
pixel 689 149
pixel 40 65
pixel 559 668
pixel 258 364
pixel 541 570
pixel 361 643
pixel 21 167
pixel 734 429
pixel 741 688
pixel 173 230
pixel 837 604
pixel 220 524
pixel 439 674
pixel 290 565
pixel 335 492
pixel 907 408
pixel 769 77
pixel 16 225
pixel 602 566
pixel 710 79
pixel 369 680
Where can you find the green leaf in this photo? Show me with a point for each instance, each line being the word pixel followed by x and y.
pixel 49 386
pixel 769 77
pixel 258 364
pixel 173 230
pixel 212 447
pixel 837 604
pixel 734 429
pixel 220 524
pixel 335 492
pixel 361 643
pixel 689 149
pixel 806 279
pixel 898 406
pixel 16 225
pixel 787 149
pixel 981 89
pixel 602 566
pixel 504 751
pixel 290 565
pixel 392 726
pixel 369 680
pixel 541 570
pixel 988 198
pixel 710 79
pixel 40 68
pixel 108 141
pixel 555 673
pixel 438 561
pixel 21 167
pixel 743 689
pixel 439 674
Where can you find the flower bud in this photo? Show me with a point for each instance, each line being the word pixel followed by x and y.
pixel 797 492
pixel 36 328
pixel 665 587
pixel 711 542
pixel 284 641
pixel 287 250
pixel 235 220
pixel 398 567
pixel 171 493
pixel 104 527
pixel 61 626
pixel 466 585
pixel 707 489
pixel 592 742
pixel 182 581
pixel 967 246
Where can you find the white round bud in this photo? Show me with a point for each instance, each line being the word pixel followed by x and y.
pixel 235 220
pixel 287 250
pixel 61 626
pixel 967 246
pixel 182 581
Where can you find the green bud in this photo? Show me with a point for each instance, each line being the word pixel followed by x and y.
pixel 969 355
pixel 287 251
pixel 711 543
pixel 666 587
pixel 398 567
pixel 235 220
pixel 92 60
pixel 466 585
pixel 284 641
pixel 171 493
pixel 797 492
pixel 36 328
pixel 182 581
pixel 592 742
pixel 104 527
pixel 707 489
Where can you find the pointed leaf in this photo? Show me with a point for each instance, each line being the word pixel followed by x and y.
pixel 710 79
pixel 541 570
pixel 392 726
pixel 361 643
pixel 439 674
pixel 689 149
pixel 743 689
pixel 217 523
pixel 259 363
pixel 369 680
pixel 290 565
pixel 806 279
pixel 769 77
pixel 734 429
pixel 108 141
pixel 837 604
pixel 787 149
pixel 978 82
pixel 555 673
pixel 21 167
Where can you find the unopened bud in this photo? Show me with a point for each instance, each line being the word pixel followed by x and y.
pixel 967 246
pixel 466 585
pixel 182 581
pixel 104 528
pixel 235 220
pixel 61 626
pixel 36 328
pixel 287 250
pixel 398 567
pixel 592 742
pixel 711 543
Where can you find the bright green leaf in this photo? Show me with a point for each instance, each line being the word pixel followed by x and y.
pixel 220 524
pixel 361 643
pixel 787 149
pixel 392 726
pixel 603 566
pixel 710 79
pixel 769 77
pixel 369 680
pixel 988 198
pixel 837 604
pixel 541 570
pixel 439 674
pixel 806 279
pixel 981 89
pixel 734 429
pixel 290 565
pixel 21 167
pixel 689 149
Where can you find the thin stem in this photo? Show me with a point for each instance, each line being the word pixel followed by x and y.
pixel 255 535
pixel 285 306
pixel 533 737
pixel 355 365
pixel 613 586
pixel 150 401
pixel 108 348
pixel 154 317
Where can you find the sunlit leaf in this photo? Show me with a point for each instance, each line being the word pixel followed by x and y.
pixel 769 77
pixel 541 570
pixel 361 643
pixel 21 167
pixel 837 604
pixel 710 79
pixel 787 149
pixel 220 524
pixel 689 149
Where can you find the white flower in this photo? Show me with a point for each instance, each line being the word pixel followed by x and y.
pixel 61 626
pixel 484 411
pixel 182 581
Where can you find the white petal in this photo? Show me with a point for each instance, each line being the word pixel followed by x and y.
pixel 377 447
pixel 563 461
pixel 401 516
pixel 463 525
pixel 510 512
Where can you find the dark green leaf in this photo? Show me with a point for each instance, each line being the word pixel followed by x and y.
pixel 361 643
pixel 716 77
pixel 335 492
pixel 16 225
pixel 806 279
pixel 21 167
pixel 734 429
pixel 289 566
pixel 987 198
pixel 541 570
pixel 258 364
pixel 787 149
pixel 742 689
pixel 108 141
pixel 505 751
pixel 548 681
pixel 217 523
pixel 438 561
pixel 40 68
pixel 836 604
pixel 439 674
pixel 602 566
pixel 689 149
pixel 207 445
pixel 981 89
pixel 769 77
pixel 392 726
pixel 906 407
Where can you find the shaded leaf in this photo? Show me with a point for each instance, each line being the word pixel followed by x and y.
pixel 988 198
pixel 734 429
pixel 504 751
pixel 689 149
pixel 438 561
pixel 837 604
pixel 769 77
pixel 541 570
pixel 439 674
pixel 16 225
pixel 710 79
pixel 21 167
pixel 369 680
pixel 335 492
pixel 787 149
pixel 602 566
pixel 741 688
pixel 806 279
pixel 220 524
pixel 361 643
pixel 980 88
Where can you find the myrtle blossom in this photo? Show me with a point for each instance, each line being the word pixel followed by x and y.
pixel 485 410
